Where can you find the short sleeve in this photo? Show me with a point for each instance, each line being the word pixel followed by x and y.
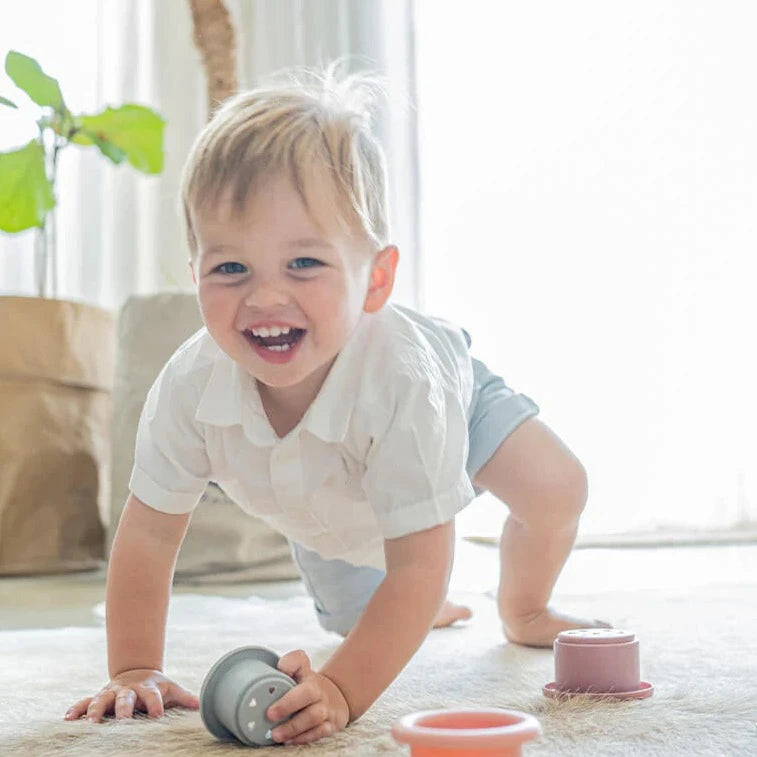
pixel 171 467
pixel 415 475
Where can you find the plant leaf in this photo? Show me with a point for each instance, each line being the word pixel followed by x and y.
pixel 80 137
pixel 134 129
pixel 27 75
pixel 108 149
pixel 6 101
pixel 25 193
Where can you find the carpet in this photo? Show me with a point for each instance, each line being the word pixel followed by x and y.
pixel 697 648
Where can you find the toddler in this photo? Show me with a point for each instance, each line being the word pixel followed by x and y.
pixel 356 427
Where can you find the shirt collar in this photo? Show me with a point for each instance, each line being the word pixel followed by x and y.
pixel 231 396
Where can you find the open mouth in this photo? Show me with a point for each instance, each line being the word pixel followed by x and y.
pixel 280 343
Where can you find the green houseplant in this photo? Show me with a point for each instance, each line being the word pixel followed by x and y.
pixel 28 174
pixel 57 356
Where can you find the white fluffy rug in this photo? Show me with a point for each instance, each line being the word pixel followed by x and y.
pixel 698 650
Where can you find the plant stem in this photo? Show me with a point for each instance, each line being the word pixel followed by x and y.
pixel 45 247
pixel 40 236
pixel 52 218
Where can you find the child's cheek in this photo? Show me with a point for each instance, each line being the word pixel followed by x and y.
pixel 215 303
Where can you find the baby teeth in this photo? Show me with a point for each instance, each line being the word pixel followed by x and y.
pixel 279 347
pixel 273 331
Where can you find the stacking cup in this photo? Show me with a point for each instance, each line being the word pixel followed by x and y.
pixel 237 692
pixel 466 732
pixel 600 661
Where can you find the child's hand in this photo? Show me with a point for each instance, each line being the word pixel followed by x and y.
pixel 142 689
pixel 320 706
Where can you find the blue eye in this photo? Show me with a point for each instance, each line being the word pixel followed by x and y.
pixel 301 263
pixel 240 268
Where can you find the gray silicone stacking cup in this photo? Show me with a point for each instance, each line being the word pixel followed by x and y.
pixel 237 692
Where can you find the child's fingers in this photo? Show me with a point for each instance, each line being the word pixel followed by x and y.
pixel 176 696
pixel 101 704
pixel 319 732
pixel 151 699
pixel 125 701
pixel 303 722
pixel 295 664
pixel 75 711
pixel 294 700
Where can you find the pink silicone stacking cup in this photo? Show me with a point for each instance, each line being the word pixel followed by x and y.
pixel 598 661
pixel 488 732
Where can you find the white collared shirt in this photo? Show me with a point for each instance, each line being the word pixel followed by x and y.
pixel 380 452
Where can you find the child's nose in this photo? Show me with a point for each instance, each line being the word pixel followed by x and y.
pixel 266 294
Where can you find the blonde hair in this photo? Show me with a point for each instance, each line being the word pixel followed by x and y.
pixel 310 125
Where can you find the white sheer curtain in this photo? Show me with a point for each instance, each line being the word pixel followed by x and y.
pixel 63 38
pixel 589 198
pixel 377 35
pixel 119 230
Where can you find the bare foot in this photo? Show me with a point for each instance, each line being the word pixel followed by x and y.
pixel 540 629
pixel 449 613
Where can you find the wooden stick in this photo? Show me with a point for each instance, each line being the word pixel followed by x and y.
pixel 215 39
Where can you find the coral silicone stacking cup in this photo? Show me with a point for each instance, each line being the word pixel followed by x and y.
pixel 489 732
pixel 598 661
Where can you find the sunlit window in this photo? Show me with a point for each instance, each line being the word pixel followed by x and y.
pixel 589 186
pixel 62 37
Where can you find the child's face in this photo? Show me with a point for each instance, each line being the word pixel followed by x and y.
pixel 271 267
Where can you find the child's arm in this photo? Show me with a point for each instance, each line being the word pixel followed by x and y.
pixel 140 572
pixel 398 617
pixel 390 630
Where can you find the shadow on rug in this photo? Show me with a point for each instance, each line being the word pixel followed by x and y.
pixel 697 649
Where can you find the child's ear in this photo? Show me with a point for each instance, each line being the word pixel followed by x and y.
pixel 382 279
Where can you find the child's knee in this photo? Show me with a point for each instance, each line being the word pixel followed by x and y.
pixel 577 487
pixel 562 498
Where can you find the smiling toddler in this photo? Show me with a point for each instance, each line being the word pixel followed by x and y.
pixel 356 427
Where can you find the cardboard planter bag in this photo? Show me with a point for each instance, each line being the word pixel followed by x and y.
pixel 56 378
